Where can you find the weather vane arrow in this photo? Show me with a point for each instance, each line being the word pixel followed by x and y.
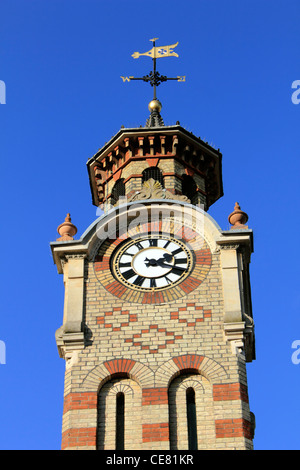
pixel 158 52
pixel 154 77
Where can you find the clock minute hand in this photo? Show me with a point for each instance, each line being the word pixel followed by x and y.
pixel 163 265
pixel 167 258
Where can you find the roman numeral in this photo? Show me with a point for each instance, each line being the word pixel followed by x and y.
pixel 178 270
pixel 177 251
pixel 153 242
pixel 139 245
pixel 124 265
pixel 181 261
pixel 152 282
pixel 168 242
pixel 128 274
pixel 139 281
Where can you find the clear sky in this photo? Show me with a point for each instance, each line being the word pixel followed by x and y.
pixel 61 62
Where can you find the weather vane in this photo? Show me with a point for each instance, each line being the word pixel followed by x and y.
pixel 154 77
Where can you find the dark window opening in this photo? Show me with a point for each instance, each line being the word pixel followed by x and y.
pixel 191 419
pixel 188 187
pixel 118 191
pixel 120 421
pixel 153 173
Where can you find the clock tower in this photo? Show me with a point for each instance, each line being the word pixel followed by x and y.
pixel 157 325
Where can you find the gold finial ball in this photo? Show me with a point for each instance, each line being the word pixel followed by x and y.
pixel 155 105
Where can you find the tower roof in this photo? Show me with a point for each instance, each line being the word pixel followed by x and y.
pixel 153 145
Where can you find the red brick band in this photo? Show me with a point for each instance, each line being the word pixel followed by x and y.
pixel 234 391
pixel 80 401
pixel 155 396
pixel 233 428
pixel 155 432
pixel 79 437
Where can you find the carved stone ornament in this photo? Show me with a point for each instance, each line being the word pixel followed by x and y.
pixel 229 247
pixel 238 218
pixel 152 189
pixel 67 230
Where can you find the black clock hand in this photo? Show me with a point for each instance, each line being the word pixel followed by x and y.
pixel 167 257
pixel 154 262
pixel 150 262
pixel 163 265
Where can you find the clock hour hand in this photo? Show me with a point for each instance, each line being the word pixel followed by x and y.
pixel 150 262
pixel 167 257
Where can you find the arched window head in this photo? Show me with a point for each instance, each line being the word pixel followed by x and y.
pixel 118 191
pixel 119 425
pixel 153 173
pixel 188 187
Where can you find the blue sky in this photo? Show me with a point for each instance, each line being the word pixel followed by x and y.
pixel 61 62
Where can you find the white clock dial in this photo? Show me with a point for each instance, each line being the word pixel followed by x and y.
pixel 152 263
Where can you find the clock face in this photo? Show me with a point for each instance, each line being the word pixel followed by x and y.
pixel 158 265
pixel 152 262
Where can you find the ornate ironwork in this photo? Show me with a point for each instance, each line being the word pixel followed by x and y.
pixel 154 77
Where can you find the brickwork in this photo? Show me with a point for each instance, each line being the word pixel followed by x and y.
pixel 175 152
pixel 83 438
pixel 153 352
pixel 171 171
pixel 237 391
pixel 106 438
pixel 205 414
pixel 150 346
pixel 232 428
